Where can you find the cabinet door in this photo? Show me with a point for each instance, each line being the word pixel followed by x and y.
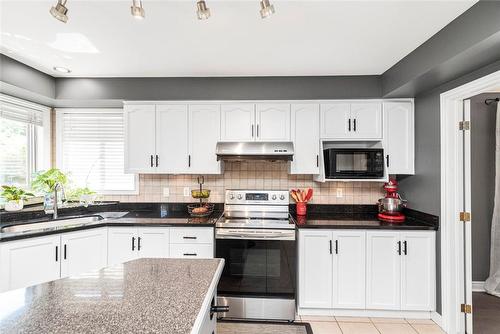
pixel 273 122
pixel 349 269
pixel 29 262
pixel 139 138
pixel 366 120
pixel 238 122
pixel 383 279
pixel 399 137
pixel 204 133
pixel 418 275
pixel 305 137
pixel 172 138
pixel 122 244
pixel 152 241
pixel 315 269
pixel 335 120
pixel 83 251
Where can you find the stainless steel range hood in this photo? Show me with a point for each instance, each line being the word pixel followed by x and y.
pixel 254 151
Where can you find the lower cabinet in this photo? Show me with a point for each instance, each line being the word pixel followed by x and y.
pixel 191 242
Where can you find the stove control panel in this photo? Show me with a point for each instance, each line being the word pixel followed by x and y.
pixel 274 197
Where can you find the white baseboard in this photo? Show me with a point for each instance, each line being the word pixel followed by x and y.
pixel 478 286
pixel 365 313
pixel 437 318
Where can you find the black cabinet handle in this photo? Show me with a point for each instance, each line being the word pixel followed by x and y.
pixel 157 160
pixel 317 160
pixel 387 159
pixel 399 247
pixel 57 253
pixel 133 243
pixel 152 165
pixel 189 160
pixel 257 130
pixel 354 124
pixel 330 247
pixel 139 243
pixel 252 130
pixel 189 254
pixel 186 237
pixel 405 247
pixel 65 251
pixel 336 246
pixel 349 124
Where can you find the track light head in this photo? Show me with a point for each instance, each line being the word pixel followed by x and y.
pixel 137 10
pixel 202 10
pixel 266 9
pixel 59 11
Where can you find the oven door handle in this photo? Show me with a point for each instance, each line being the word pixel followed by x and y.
pixel 288 235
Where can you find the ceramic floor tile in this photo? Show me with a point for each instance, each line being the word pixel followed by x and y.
pixel 358 328
pixel 353 319
pixel 421 321
pixel 319 318
pixel 395 329
pixel 324 327
pixel 427 329
pixel 388 320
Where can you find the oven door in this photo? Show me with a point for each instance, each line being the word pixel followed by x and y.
pixel 257 266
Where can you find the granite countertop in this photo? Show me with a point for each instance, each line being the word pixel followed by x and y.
pixel 153 295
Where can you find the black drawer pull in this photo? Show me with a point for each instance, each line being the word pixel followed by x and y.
pixel 399 247
pixel 405 247
pixel 354 124
pixel 133 243
pixel 330 246
pixel 336 246
pixel 349 124
pixel 189 254
pixel 139 243
pixel 65 251
pixel 152 161
pixel 188 237
pixel 57 253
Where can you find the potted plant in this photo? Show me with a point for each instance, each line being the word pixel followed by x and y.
pixel 14 197
pixel 84 195
pixel 46 182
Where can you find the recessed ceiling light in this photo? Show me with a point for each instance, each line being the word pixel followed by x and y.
pixel 59 11
pixel 137 10
pixel 202 11
pixel 266 9
pixel 62 69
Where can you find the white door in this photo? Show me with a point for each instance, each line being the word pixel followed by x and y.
pixel 399 137
pixel 366 119
pixel 140 138
pixel 83 251
pixel 349 269
pixel 418 271
pixel 335 120
pixel 315 269
pixel 238 122
pixel 383 270
pixel 122 244
pixel 172 138
pixel 204 133
pixel 152 241
pixel 305 137
pixel 29 262
pixel 272 122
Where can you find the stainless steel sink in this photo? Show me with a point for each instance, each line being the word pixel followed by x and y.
pixel 58 224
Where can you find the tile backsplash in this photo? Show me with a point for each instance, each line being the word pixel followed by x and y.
pixel 251 175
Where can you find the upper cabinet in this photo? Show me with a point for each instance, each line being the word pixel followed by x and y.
pixel 399 137
pixel 204 133
pixel 140 140
pixel 172 138
pixel 351 121
pixel 255 122
pixel 305 137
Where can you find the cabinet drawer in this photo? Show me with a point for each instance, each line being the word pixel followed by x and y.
pixel 192 251
pixel 192 235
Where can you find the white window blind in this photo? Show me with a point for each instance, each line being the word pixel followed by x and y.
pixel 92 150
pixel 21 111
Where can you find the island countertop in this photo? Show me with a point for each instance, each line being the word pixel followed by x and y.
pixel 144 295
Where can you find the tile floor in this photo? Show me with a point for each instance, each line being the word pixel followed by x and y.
pixel 353 325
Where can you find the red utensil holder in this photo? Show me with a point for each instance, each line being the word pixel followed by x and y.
pixel 301 208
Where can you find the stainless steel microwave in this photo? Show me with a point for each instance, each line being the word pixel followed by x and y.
pixel 353 163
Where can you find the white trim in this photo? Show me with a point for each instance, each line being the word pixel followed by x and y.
pixel 159 102
pixel 365 313
pixel 436 317
pixel 451 106
pixel 478 286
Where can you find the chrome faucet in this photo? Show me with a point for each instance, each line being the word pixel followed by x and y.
pixel 55 207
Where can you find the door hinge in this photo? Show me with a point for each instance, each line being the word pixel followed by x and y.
pixel 465 216
pixel 464 125
pixel 466 308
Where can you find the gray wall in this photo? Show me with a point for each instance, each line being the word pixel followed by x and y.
pixel 483 119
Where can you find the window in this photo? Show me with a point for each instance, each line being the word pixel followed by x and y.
pixel 90 147
pixel 22 140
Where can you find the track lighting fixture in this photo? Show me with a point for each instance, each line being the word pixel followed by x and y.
pixel 202 11
pixel 59 11
pixel 266 9
pixel 137 10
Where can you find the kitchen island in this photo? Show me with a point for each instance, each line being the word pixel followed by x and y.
pixel 144 295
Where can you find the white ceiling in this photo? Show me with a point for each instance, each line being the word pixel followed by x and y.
pixel 102 39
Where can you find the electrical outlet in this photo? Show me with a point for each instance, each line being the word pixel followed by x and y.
pixel 340 192
pixel 166 192
pixel 187 192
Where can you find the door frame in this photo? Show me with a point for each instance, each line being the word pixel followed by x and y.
pixel 453 178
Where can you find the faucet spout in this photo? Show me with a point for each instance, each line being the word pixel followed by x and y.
pixel 56 205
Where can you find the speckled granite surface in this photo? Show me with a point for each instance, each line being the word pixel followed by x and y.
pixel 140 296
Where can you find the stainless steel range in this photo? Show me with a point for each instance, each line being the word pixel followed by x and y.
pixel 257 240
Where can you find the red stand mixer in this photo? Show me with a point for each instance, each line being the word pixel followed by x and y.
pixel 391 206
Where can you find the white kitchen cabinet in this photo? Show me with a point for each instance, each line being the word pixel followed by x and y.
pixel 418 277
pixel 399 138
pixel 238 122
pixel 272 122
pixel 305 137
pixel 172 138
pixel 204 133
pixel 30 261
pixel 140 141
pixel 203 251
pixel 366 118
pixel 334 121
pixel 83 251
pixel 315 269
pixel 192 242
pixel 122 244
pixel 349 269
pixel 152 242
